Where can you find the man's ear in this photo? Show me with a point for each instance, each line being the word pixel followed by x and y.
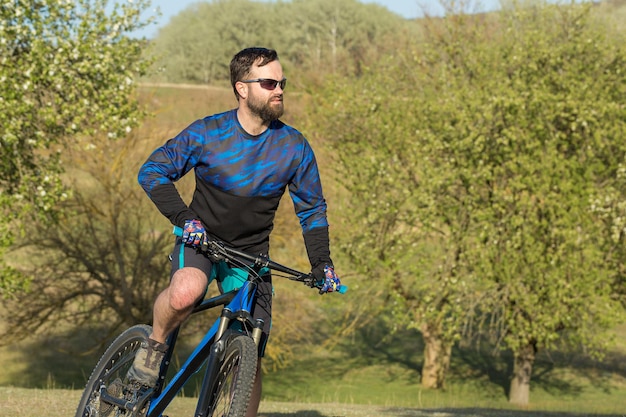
pixel 242 89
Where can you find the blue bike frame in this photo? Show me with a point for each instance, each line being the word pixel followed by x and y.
pixel 241 303
pixel 236 320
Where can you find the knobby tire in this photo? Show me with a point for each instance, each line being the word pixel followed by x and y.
pixel 233 385
pixel 112 366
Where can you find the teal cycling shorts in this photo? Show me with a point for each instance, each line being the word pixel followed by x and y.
pixel 228 279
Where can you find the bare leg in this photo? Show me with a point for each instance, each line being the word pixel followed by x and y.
pixel 255 397
pixel 176 302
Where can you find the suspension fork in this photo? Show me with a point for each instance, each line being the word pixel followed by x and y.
pixel 238 309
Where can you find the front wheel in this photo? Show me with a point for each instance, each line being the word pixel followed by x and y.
pixel 235 378
pixel 110 373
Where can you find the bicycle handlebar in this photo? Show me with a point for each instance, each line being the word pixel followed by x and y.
pixel 217 250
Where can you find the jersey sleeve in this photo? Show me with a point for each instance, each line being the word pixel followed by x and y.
pixel 310 206
pixel 166 165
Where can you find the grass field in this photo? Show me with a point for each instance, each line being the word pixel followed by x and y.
pixel 372 374
pixel 20 402
pixel 347 381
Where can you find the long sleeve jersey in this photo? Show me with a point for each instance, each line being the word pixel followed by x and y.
pixel 240 179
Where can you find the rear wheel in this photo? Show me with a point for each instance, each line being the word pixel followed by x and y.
pixel 235 378
pixel 110 372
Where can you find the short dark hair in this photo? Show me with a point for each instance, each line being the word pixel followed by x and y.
pixel 242 62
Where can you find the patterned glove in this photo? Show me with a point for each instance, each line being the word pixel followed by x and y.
pixel 327 279
pixel 194 233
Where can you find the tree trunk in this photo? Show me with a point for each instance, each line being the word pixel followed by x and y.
pixel 524 358
pixel 437 354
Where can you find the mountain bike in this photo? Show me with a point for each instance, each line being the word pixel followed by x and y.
pixel 229 349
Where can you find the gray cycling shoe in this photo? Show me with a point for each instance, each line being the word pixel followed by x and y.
pixel 147 364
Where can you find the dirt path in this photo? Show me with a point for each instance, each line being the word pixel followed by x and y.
pixel 21 402
pixel 341 410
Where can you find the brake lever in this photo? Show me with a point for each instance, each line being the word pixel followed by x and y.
pixel 214 250
pixel 307 280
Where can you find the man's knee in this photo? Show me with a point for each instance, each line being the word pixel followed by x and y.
pixel 186 287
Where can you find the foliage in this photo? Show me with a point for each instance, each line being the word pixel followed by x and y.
pixel 198 44
pixel 555 139
pixel 331 36
pixel 478 155
pixel 412 231
pixel 482 161
pixel 312 35
pixel 67 69
pixel 105 260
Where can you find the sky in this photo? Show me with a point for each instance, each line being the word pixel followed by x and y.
pixel 409 9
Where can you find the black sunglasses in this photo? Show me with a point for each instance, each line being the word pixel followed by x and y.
pixel 268 83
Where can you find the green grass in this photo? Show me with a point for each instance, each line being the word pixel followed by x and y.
pixel 358 374
pixel 20 402
pixel 388 375
pixel 341 380
pixel 371 368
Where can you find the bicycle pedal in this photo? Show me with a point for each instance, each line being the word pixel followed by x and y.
pixel 115 389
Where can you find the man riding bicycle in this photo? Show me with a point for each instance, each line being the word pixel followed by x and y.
pixel 243 160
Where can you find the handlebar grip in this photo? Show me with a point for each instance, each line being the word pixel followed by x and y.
pixel 178 231
pixel 342 289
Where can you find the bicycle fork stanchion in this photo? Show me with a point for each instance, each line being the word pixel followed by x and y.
pixel 256 333
pixel 224 322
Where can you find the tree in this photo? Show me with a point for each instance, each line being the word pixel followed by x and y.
pixel 197 45
pixel 399 235
pixel 104 261
pixel 68 69
pixel 478 163
pixel 559 129
pixel 319 37
pixel 331 36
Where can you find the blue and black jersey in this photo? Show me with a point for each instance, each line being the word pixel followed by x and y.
pixel 240 179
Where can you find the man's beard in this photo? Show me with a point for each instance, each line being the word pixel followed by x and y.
pixel 265 110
